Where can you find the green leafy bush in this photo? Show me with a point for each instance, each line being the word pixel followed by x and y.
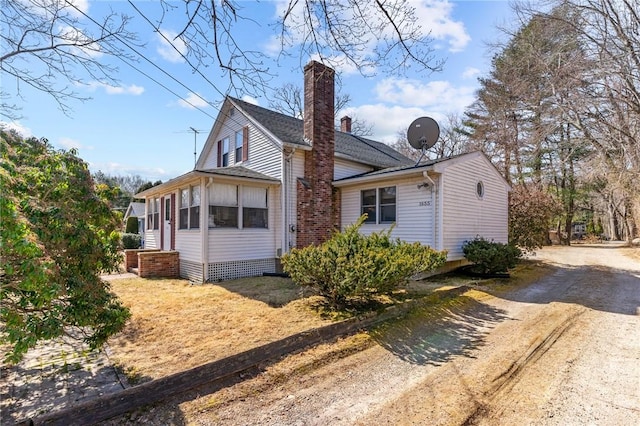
pixel 132 225
pixel 490 257
pixel 352 265
pixel 131 241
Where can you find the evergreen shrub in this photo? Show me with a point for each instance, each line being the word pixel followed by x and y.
pixel 132 225
pixel 352 265
pixel 490 257
pixel 131 241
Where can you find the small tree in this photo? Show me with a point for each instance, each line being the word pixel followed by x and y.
pixel 352 265
pixel 531 211
pixel 132 225
pixel 57 235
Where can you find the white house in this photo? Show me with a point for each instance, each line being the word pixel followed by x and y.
pixel 136 210
pixel 266 182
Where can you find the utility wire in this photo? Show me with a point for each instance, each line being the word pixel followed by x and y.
pixel 121 40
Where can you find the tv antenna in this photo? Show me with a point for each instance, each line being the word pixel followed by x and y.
pixel 422 134
pixel 195 142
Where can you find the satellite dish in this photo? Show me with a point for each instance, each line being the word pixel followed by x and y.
pixel 423 133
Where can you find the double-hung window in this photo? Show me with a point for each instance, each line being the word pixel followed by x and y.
pixel 156 213
pixel 254 207
pixel 379 204
pixel 223 206
pixel 239 144
pixel 189 216
pixel 150 207
pixel 225 152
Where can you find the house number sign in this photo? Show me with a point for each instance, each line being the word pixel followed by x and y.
pixel 424 203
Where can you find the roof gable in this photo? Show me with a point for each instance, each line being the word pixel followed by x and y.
pixel 289 131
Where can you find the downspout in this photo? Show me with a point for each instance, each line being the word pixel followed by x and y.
pixel 434 199
pixel 287 168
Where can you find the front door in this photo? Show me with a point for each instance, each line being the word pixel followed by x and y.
pixel 168 228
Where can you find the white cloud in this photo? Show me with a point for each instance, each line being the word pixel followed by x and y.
pixel 435 17
pixel 251 100
pixel 470 72
pixel 167 49
pixel 192 101
pixel 387 120
pixel 23 131
pixel 131 89
pixel 68 143
pixel 439 95
pixel 151 173
pixel 82 42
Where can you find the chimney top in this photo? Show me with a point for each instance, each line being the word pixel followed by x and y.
pixel 345 124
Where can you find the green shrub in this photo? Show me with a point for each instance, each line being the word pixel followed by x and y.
pixel 352 265
pixel 132 225
pixel 490 257
pixel 131 241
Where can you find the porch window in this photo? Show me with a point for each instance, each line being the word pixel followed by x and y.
pixel 150 213
pixel 379 204
pixel 156 213
pixel 183 222
pixel 254 207
pixel 239 143
pixel 223 206
pixel 194 208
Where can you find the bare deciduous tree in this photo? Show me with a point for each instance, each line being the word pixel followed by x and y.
pixel 52 46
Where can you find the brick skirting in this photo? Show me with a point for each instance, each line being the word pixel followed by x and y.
pixel 162 264
pixel 131 257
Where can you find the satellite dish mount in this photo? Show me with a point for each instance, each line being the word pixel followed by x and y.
pixel 422 134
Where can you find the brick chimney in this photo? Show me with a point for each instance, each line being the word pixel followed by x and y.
pixel 345 124
pixel 317 200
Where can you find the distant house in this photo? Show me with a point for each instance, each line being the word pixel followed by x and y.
pixel 266 182
pixel 136 210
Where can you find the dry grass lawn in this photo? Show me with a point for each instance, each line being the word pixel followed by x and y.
pixel 176 325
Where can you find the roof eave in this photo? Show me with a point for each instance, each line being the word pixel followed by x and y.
pixel 415 170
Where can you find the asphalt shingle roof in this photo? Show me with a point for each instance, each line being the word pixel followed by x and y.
pixel 239 171
pixel 290 131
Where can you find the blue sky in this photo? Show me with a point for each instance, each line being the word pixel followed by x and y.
pixel 138 127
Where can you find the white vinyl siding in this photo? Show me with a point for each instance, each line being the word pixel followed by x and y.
pixel 152 239
pixel 344 169
pixel 189 244
pixel 414 210
pixel 264 154
pixel 465 214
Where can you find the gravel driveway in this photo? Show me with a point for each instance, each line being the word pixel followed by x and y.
pixel 563 351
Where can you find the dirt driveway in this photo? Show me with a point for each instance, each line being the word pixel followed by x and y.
pixel 564 351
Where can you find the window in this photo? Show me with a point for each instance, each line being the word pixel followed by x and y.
pixel 369 205
pixel 189 208
pixel 156 213
pixel 223 206
pixel 379 204
pixel 226 206
pixel 239 144
pixel 150 213
pixel 184 209
pixel 254 207
pixel 194 208
pixel 480 189
pixel 225 152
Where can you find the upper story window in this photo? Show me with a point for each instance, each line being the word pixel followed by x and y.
pixel 225 152
pixel 379 204
pixel 239 145
pixel 189 208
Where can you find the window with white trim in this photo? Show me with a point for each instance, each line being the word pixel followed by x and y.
pixel 189 214
pixel 379 204
pixel 225 152
pixel 234 206
pixel 254 207
pixel 239 143
pixel 223 206
pixel 156 213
